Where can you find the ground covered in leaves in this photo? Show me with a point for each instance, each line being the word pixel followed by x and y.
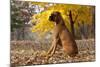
pixel 30 53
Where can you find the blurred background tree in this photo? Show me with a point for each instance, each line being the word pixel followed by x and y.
pixel 27 16
pixel 20 17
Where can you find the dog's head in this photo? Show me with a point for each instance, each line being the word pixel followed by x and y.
pixel 54 16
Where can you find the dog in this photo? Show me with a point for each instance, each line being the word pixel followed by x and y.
pixel 62 36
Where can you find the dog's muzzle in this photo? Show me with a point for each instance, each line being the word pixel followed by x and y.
pixel 51 18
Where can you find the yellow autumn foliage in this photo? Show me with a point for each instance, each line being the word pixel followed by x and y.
pixel 43 25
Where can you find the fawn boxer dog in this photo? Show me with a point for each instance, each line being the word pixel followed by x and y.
pixel 62 36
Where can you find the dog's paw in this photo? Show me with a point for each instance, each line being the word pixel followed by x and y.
pixel 43 54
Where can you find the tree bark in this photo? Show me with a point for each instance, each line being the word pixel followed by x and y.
pixel 71 23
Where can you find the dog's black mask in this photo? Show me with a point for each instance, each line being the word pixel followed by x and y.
pixel 54 16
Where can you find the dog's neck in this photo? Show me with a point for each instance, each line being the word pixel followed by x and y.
pixel 61 21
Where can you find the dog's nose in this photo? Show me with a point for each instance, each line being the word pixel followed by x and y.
pixel 50 18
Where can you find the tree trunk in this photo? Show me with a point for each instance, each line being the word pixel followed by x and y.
pixel 71 23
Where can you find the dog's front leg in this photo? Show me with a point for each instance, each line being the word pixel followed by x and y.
pixel 54 46
pixel 50 50
pixel 54 42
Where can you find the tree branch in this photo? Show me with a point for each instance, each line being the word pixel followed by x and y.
pixel 75 18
